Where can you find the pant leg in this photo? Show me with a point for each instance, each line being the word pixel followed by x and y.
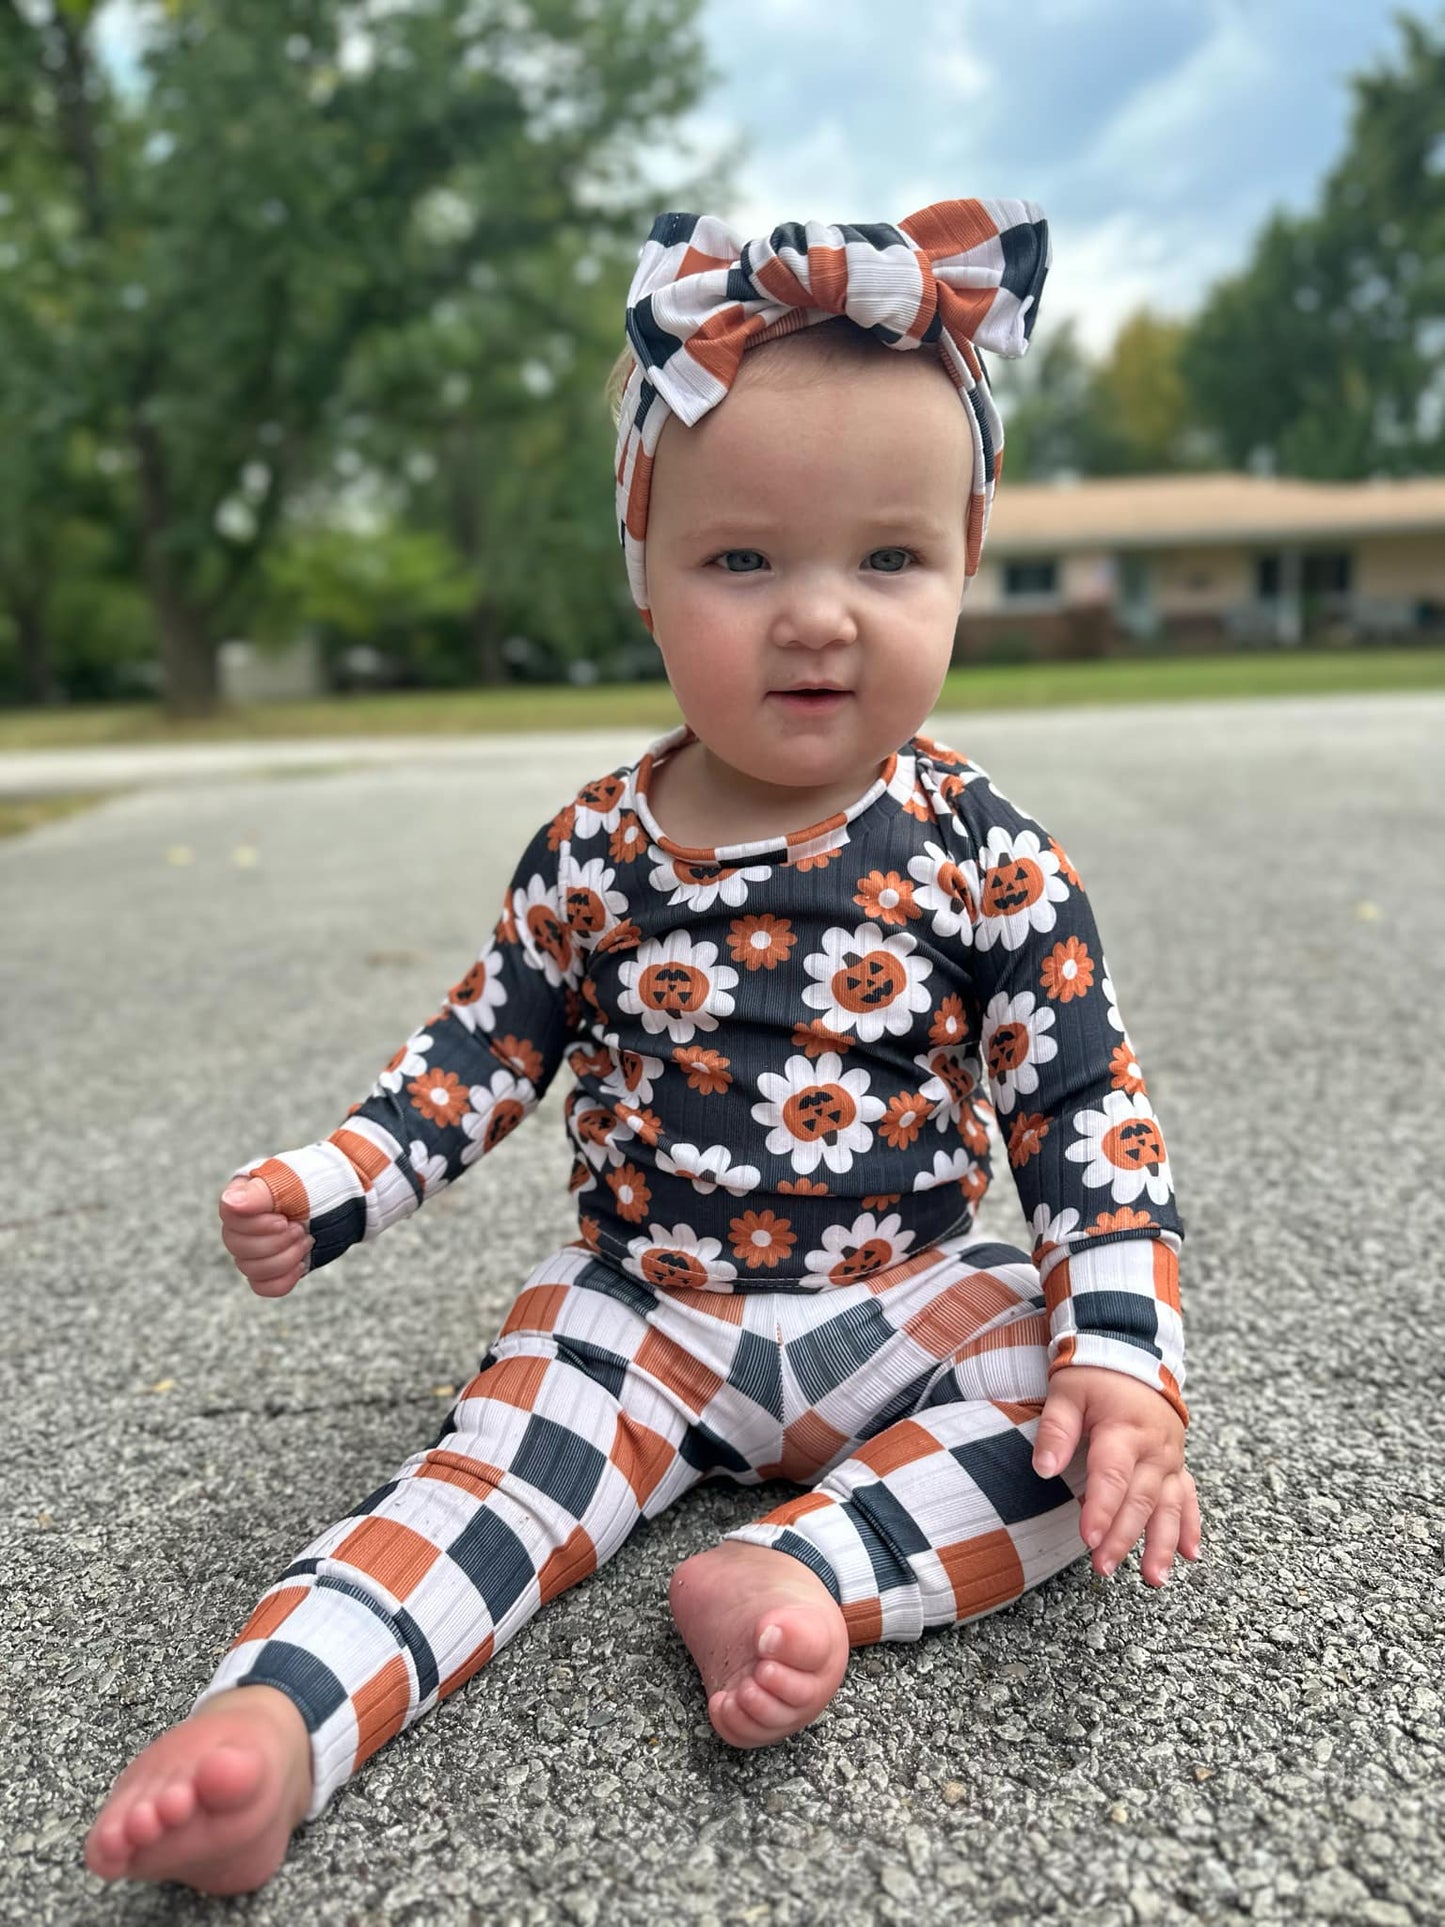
pixel 584 1419
pixel 932 1515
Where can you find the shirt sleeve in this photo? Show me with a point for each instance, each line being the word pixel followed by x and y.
pixel 1084 1144
pixel 461 1082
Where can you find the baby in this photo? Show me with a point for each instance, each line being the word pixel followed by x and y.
pixel 792 957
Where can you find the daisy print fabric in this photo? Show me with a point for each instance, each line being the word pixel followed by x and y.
pixel 785 1055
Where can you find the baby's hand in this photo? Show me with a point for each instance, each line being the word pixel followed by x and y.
pixel 269 1250
pixel 1135 1472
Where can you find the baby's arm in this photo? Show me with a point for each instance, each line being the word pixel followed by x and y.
pixel 461 1083
pixel 1092 1171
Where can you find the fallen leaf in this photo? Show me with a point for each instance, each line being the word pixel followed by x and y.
pixel 180 854
pixel 164 1385
pixel 245 856
pixel 444 1391
pixel 1367 912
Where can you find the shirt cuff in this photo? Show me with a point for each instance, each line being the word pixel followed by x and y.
pixel 1116 1304
pixel 346 1189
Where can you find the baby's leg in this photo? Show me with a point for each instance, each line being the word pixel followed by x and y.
pixel 547 1462
pixel 931 1520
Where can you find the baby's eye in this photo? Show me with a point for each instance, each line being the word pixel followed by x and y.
pixel 727 555
pixel 901 557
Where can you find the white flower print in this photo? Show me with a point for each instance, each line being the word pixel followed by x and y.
pixel 1111 1002
pixel 599 805
pixel 710 1168
pixel 634 1073
pixel 949 1167
pixel 1019 884
pixel 947 891
pixel 596 1132
pixel 679 1258
pixel 676 985
pixel 593 907
pixel 409 1062
pixel 1015 1043
pixel 545 938
pixel 478 996
pixel 701 885
pixel 951 1077
pixel 869 983
pixel 854 1251
pixel 430 1167
pixel 817 1112
pixel 1121 1146
pixel 497 1108
pixel 1050 1229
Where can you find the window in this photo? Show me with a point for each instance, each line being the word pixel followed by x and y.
pixel 1030 578
pixel 1327 573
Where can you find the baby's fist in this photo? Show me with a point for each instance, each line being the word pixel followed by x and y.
pixel 269 1250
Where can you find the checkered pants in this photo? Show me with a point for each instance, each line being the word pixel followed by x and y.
pixel 909 1401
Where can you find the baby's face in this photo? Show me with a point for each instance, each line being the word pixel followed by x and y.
pixel 809 535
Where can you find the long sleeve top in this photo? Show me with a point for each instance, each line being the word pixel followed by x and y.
pixel 784 1054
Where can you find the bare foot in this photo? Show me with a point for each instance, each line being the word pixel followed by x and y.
pixel 767 1636
pixel 213 1801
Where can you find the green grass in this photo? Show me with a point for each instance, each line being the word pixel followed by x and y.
pixel 650 705
pixel 27 814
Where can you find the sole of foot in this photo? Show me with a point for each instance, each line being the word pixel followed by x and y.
pixel 213 1802
pixel 767 1637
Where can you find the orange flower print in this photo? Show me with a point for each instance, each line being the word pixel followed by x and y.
pixel 1068 970
pixel 1124 1071
pixel 521 1053
pixel 628 841
pixel 629 1187
pixel 639 1123
pixel 919 806
pixel 887 897
pixel 815 1038
pixel 820 861
pixel 561 826
pixel 803 1188
pixel 622 936
pixel 761 1238
pixel 1121 1220
pixel 1066 869
pixel 904 1119
pixel 440 1096
pixel 974 1183
pixel 938 752
pixel 1029 1130
pixel 760 942
pixel 581 1178
pixel 881 1200
pixel 591 1232
pixel 949 1024
pixel 585 1060
pixel 706 1070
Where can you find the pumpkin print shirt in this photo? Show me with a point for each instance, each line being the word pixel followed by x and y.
pixel 784 1056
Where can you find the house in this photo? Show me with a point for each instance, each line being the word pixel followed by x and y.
pixel 1087 567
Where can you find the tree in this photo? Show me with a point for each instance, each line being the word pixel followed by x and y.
pixel 1327 352
pixel 283 182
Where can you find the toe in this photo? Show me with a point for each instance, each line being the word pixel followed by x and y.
pixel 143 1825
pixel 760 1705
pixel 805 1640
pixel 733 1723
pixel 176 1803
pixel 107 1850
pixel 784 1683
pixel 228 1777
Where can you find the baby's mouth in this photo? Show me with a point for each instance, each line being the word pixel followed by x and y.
pixel 811 697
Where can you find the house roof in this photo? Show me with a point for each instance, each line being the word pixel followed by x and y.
pixel 1187 511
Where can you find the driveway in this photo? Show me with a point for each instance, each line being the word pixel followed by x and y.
pixel 197 973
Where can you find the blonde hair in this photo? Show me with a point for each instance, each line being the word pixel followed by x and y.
pixel 839 339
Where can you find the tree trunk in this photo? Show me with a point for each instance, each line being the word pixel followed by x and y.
pixel 188 660
pixel 37 672
pixel 486 634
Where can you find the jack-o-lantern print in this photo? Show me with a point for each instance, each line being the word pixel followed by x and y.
pixel 632 1073
pixel 497 1108
pixel 952 1078
pixel 545 935
pixel 946 890
pixel 1121 1146
pixel 867 983
pixel 598 805
pixel 1016 1041
pixel 593 906
pixel 678 986
pixel 699 883
pixel 858 1250
pixel 477 997
pixel 1019 886
pixel 679 1260
pixel 817 1113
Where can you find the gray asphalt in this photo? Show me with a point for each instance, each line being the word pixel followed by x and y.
pixel 1261 1740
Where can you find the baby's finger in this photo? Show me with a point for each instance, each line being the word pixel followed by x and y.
pixel 1190 1530
pixel 247 1198
pixel 265 1270
pixel 1129 1521
pixel 278 1287
pixel 1107 1473
pixel 263 1244
pixel 1161 1540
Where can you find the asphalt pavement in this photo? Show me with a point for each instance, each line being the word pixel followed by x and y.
pixel 201 971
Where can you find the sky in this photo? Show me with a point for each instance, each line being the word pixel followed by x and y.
pixel 1156 135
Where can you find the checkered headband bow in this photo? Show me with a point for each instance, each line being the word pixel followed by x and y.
pixel 960 275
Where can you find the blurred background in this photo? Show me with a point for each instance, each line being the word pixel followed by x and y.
pixel 306 310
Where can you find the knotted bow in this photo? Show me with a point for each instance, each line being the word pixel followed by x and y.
pixel 958 275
